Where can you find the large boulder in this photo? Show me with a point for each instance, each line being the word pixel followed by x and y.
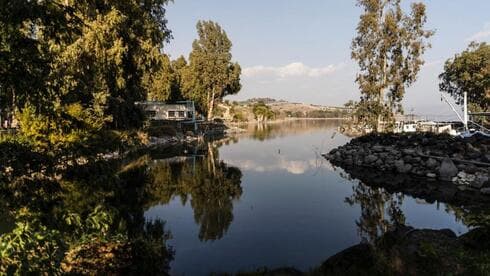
pixel 447 170
pixel 355 260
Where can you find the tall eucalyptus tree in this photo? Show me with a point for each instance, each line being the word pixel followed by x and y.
pixel 388 49
pixel 210 75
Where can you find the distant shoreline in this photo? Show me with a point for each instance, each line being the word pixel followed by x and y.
pixel 255 122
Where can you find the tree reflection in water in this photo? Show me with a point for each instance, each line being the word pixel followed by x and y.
pixel 380 210
pixel 84 219
pixel 207 183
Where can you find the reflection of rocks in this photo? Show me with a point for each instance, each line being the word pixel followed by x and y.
pixel 461 161
pixel 419 187
pixel 409 251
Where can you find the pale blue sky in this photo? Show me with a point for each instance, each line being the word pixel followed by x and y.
pixel 299 50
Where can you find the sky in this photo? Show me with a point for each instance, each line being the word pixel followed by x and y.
pixel 299 50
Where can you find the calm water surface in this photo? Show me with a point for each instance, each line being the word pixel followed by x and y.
pixel 267 198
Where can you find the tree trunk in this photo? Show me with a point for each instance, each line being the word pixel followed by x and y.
pixel 211 160
pixel 211 106
pixel 379 122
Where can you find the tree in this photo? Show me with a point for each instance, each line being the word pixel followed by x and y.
pixel 388 48
pixel 262 112
pixel 469 72
pixel 74 68
pixel 24 59
pixel 161 83
pixel 210 75
pixel 105 66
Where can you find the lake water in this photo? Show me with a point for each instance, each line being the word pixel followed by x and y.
pixel 267 197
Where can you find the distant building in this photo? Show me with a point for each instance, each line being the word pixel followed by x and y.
pixel 161 111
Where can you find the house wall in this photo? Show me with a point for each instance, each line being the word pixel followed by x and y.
pixel 174 112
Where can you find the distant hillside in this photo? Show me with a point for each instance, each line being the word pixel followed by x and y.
pixel 242 110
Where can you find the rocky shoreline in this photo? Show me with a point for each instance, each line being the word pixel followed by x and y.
pixel 464 162
pixel 409 251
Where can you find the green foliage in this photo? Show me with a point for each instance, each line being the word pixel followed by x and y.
pixel 96 225
pixel 469 72
pixel 71 70
pixel 239 117
pixel 118 46
pixel 162 83
pixel 327 114
pixel 50 134
pixel 31 248
pixel 64 233
pixel 262 112
pixel 24 57
pixel 388 48
pixel 210 75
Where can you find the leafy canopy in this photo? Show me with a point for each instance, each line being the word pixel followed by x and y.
pixel 210 75
pixel 469 72
pixel 388 49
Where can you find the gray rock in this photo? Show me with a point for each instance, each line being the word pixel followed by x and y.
pixel 399 164
pixel 431 163
pixel 401 167
pixel 462 175
pixel 378 148
pixel 461 167
pixel 471 168
pixel 447 170
pixel 431 175
pixel 485 191
pixel 480 180
pixel 409 151
pixel 394 152
pixel 370 159
pixel 463 188
pixel 486 158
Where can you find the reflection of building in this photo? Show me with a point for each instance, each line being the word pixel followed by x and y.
pixel 161 111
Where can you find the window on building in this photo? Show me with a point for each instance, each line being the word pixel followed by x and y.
pixel 171 114
pixel 181 114
pixel 189 114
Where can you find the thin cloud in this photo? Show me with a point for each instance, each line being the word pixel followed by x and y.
pixel 295 69
pixel 481 35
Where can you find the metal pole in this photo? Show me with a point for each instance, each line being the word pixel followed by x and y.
pixel 452 107
pixel 465 110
